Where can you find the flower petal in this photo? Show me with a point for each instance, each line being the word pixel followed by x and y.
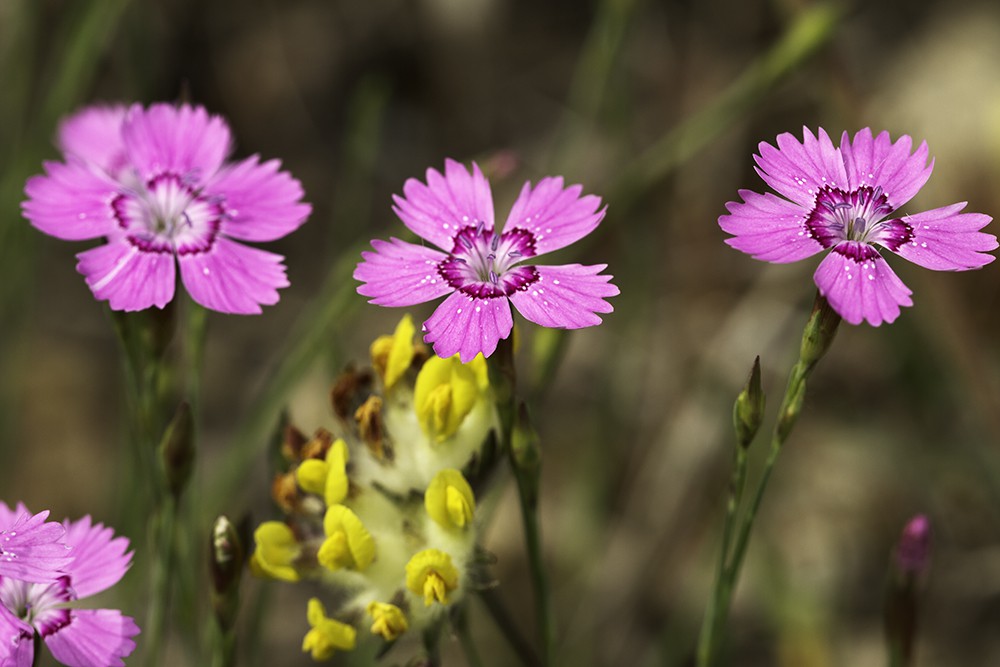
pixel 439 210
pixel 94 638
pixel 262 203
pixel 799 171
pixel 467 326
pixel 94 136
pixel 70 202
pixel 32 549
pixel 129 278
pixel 945 240
pixel 769 228
pixel 233 278
pixel 17 646
pixel 860 285
pixel 99 558
pixel 555 216
pixel 566 297
pixel 400 273
pixel 182 140
pixel 879 162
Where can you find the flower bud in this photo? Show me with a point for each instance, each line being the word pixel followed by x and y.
pixel 748 411
pixel 818 333
pixel 177 450
pixel 912 553
pixel 909 563
pixel 226 556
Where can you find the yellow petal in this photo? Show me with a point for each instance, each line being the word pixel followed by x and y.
pixel 311 475
pixel 392 355
pixel 449 499
pixel 326 634
pixel 276 551
pixel 337 483
pixel 431 574
pixel 388 620
pixel 445 392
pixel 348 543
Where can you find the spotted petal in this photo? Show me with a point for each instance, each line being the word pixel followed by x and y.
pixel 438 210
pixel 32 549
pixel 94 136
pixel 99 558
pixel 129 278
pixel 262 203
pixel 945 240
pixel 555 216
pixel 94 638
pixel 233 278
pixel 566 297
pixel 70 202
pixel 769 228
pixel 860 285
pixel 799 170
pixel 400 274
pixel 466 326
pixel 880 163
pixel 182 140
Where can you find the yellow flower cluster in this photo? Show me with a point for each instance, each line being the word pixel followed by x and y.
pixel 384 514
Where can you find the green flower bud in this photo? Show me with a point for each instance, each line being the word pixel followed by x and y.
pixel 748 410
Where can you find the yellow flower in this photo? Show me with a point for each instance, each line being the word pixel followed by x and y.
pixel 445 393
pixel 326 478
pixel 431 573
pixel 276 551
pixel 449 499
pixel 392 355
pixel 348 543
pixel 327 635
pixel 388 620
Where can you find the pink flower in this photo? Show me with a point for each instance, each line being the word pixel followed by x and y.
pixel 846 199
pixel 155 183
pixel 480 267
pixel 76 637
pixel 31 548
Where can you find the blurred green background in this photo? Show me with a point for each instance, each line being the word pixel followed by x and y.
pixel 655 106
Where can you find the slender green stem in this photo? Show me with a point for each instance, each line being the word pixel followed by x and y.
pixel 525 464
pixel 163 529
pixel 816 339
pixel 460 621
pixel 494 605
pixel 539 578
pixel 717 601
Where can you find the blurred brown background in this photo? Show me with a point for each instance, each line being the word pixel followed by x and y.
pixel 356 97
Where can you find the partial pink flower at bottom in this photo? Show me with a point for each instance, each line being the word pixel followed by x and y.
pixel 847 200
pixel 76 637
pixel 154 182
pixel 482 267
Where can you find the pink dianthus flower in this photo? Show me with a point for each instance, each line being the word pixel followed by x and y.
pixel 156 184
pixel 76 637
pixel 480 267
pixel 847 200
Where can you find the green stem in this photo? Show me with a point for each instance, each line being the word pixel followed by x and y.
pixel 164 521
pixel 544 616
pixel 460 621
pixel 525 464
pixel 494 605
pixel 816 339
pixel 717 601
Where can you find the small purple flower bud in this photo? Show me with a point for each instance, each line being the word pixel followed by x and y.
pixel 914 546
